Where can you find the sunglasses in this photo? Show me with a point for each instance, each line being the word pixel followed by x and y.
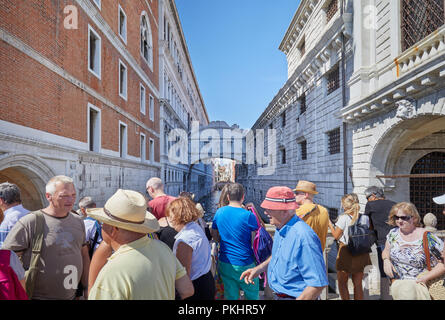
pixel 404 218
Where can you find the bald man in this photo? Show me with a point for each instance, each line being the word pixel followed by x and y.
pixel 155 189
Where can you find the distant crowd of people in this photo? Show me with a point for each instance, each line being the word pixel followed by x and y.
pixel 134 249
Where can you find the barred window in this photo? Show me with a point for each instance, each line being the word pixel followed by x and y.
pixel 419 19
pixel 303 150
pixel 302 104
pixel 334 141
pixel 331 10
pixel 333 80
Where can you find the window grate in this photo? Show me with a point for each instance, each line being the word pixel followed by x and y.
pixel 333 214
pixel 334 141
pixel 302 104
pixel 333 80
pixel 331 10
pixel 283 156
pixel 419 19
pixel 422 190
pixel 303 148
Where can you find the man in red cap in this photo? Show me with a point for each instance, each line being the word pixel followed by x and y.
pixel 296 268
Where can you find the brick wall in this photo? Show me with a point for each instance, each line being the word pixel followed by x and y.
pixel 35 96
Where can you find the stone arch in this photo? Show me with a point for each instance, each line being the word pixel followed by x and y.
pixel 30 174
pixel 395 134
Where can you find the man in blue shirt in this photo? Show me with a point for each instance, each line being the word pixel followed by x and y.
pixel 296 269
pixel 11 205
pixel 232 227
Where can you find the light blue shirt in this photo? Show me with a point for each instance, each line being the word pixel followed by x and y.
pixel 297 259
pixel 12 215
pixel 193 235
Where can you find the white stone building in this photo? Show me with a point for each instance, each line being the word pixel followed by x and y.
pixel 181 104
pixel 309 135
pixel 364 104
pixel 375 117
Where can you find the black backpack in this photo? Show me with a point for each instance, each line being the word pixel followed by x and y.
pixel 361 238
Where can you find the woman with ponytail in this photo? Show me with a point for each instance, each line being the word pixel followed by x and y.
pixel 346 263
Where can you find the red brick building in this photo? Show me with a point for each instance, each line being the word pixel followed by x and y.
pixel 79 92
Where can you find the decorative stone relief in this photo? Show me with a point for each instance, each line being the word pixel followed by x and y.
pixel 406 109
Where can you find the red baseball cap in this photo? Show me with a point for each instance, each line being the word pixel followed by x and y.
pixel 280 198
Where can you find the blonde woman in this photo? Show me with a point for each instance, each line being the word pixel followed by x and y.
pixel 404 258
pixel 346 263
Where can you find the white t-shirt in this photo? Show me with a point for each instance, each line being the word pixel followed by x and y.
pixel 193 235
pixel 343 223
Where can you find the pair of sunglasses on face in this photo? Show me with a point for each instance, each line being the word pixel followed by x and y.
pixel 404 218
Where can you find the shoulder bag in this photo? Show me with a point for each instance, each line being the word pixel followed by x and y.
pixel 435 286
pixel 36 244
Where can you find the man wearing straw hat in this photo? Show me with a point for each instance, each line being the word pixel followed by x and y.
pixel 315 215
pixel 296 268
pixel 140 268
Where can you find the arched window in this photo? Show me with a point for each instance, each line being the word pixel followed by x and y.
pixel 146 40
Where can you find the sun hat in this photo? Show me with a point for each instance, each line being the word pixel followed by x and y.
pixel 279 198
pixel 126 209
pixel 440 199
pixel 306 186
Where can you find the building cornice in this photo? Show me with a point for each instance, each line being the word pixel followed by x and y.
pixel 417 69
pixel 314 63
pixel 297 24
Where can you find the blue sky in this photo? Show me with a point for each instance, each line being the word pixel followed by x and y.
pixel 233 45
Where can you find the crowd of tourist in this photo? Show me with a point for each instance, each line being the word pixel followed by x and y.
pixel 159 247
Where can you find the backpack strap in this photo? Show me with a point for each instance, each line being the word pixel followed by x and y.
pixel 309 212
pixel 427 250
pixel 36 243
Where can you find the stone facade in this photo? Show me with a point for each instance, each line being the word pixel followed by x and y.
pixel 181 104
pixel 67 105
pixel 303 112
pixel 389 108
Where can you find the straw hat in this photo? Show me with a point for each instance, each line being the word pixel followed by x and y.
pixel 306 186
pixel 126 209
pixel 279 198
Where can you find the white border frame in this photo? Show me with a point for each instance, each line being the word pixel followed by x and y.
pixel 144 157
pixel 119 10
pixel 150 43
pixel 151 152
pixel 125 144
pixel 99 114
pixel 98 75
pixel 144 112
pixel 126 80
pixel 151 108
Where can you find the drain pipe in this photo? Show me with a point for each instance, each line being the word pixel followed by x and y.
pixel 343 92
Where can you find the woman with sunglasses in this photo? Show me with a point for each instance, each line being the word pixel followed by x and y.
pixel 404 259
